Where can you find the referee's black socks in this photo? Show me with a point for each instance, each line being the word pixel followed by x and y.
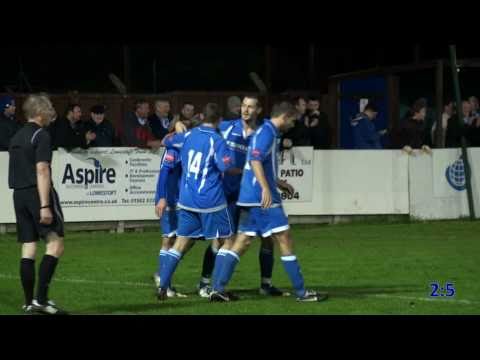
pixel 27 275
pixel 45 274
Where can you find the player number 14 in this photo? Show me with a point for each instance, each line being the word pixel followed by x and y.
pixel 194 161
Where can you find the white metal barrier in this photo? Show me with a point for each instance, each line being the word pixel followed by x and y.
pixel 118 184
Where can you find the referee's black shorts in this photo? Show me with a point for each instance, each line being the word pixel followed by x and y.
pixel 27 211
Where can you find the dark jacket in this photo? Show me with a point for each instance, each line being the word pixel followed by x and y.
pixel 411 133
pixel 320 135
pixel 299 134
pixel 472 134
pixel 159 127
pixel 134 133
pixel 365 135
pixel 104 131
pixel 454 132
pixel 8 128
pixel 66 136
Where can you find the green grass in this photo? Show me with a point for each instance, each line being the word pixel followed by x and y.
pixel 366 268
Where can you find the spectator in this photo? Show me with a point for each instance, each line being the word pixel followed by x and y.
pixel 298 135
pixel 317 122
pixel 71 132
pixel 8 124
pixel 472 127
pixel 52 129
pixel 234 104
pixel 412 132
pixel 365 135
pixel 473 133
pixel 101 127
pixel 136 128
pixel 452 132
pixel 186 116
pixel 160 120
pixel 467 117
pixel 475 106
pixel 187 112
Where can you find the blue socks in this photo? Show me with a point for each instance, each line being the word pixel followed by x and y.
pixel 218 267
pixel 292 268
pixel 161 260
pixel 170 263
pixel 225 273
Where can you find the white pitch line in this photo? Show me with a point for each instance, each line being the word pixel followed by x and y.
pixel 141 284
pixel 83 281
pixel 443 301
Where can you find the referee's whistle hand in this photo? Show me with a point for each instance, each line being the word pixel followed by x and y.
pixel 46 217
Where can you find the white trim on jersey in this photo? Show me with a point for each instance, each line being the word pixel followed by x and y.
pixel 211 153
pixel 227 132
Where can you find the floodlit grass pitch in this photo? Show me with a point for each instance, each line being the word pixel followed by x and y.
pixel 366 268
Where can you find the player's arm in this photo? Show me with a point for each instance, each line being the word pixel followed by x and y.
pixel 261 145
pixel 223 156
pixel 257 168
pixel 161 192
pixel 174 141
pixel 43 157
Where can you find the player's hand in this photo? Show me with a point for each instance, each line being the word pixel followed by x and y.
pixel 46 216
pixel 160 207
pixel 285 186
pixel 427 149
pixel 266 198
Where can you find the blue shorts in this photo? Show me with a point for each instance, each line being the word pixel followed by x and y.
pixel 255 221
pixel 215 225
pixel 169 223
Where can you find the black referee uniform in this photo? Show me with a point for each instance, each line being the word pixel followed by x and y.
pixel 29 146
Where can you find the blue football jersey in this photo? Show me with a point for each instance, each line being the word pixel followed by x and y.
pixel 205 157
pixel 237 141
pixel 263 147
pixel 171 161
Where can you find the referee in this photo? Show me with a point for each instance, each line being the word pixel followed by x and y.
pixel 37 207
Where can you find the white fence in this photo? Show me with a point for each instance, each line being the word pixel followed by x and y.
pixel 118 184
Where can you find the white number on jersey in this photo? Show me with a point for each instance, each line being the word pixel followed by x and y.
pixel 194 160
